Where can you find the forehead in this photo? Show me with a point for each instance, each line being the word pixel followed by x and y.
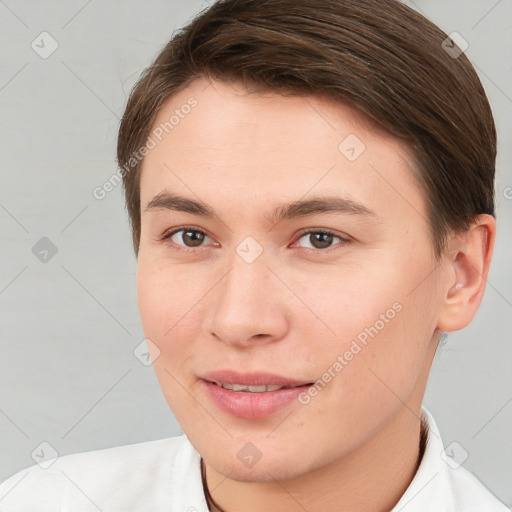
pixel 221 142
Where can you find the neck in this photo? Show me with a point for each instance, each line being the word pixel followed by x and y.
pixel 372 478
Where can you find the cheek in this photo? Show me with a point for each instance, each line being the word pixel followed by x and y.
pixel 344 302
pixel 172 302
pixel 378 326
pixel 166 296
pixel 153 301
pixel 166 309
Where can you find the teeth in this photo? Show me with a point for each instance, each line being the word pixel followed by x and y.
pixel 251 389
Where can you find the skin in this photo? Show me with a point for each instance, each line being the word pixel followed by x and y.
pixel 293 310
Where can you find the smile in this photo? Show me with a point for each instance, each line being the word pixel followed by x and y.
pixel 250 389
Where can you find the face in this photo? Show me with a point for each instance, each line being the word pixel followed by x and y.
pixel 284 242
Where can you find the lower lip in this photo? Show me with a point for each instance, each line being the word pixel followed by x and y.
pixel 245 404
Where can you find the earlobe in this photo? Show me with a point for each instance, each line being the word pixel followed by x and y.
pixel 468 260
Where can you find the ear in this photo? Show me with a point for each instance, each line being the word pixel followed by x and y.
pixel 469 258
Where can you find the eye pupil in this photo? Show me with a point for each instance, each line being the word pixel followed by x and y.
pixel 195 239
pixel 324 240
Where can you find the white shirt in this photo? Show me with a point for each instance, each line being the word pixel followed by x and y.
pixel 165 476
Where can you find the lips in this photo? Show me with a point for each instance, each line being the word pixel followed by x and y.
pixel 250 389
pixel 227 378
pixel 251 395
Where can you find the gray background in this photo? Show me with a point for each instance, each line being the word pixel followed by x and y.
pixel 68 375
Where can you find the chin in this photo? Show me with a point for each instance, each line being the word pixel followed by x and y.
pixel 265 470
pixel 260 474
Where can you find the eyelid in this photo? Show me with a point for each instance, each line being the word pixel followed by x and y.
pixel 328 231
pixel 172 231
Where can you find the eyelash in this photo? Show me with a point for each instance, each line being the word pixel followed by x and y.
pixel 182 248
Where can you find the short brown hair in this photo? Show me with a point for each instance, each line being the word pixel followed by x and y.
pixel 378 56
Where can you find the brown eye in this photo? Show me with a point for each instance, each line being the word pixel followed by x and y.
pixel 320 240
pixel 187 237
pixel 192 238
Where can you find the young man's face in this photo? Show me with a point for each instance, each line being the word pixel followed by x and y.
pixel 353 310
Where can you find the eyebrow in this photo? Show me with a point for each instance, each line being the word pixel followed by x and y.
pixel 295 209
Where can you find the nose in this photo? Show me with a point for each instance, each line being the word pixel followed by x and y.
pixel 248 306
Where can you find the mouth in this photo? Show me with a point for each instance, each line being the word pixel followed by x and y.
pixel 254 382
pixel 252 395
pixel 254 389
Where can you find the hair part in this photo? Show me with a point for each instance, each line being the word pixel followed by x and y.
pixel 378 56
